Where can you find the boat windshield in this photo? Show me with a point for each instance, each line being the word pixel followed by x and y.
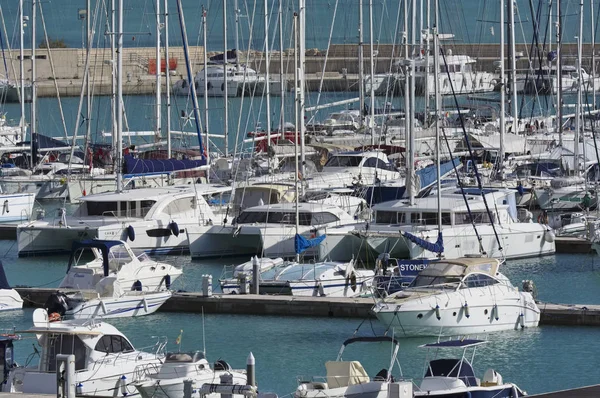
pixel 117 257
pixel 298 272
pixel 343 161
pixel 444 282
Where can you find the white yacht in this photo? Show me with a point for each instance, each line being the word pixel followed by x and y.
pixel 267 230
pixel 16 207
pixel 240 78
pixel 150 219
pixel 458 297
pixel 115 284
pixel 9 297
pixel 545 81
pixel 181 366
pixel 566 194
pixel 106 363
pixel 406 231
pixel 456 74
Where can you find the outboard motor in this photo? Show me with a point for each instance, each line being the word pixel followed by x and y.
pixel 6 359
pixel 57 302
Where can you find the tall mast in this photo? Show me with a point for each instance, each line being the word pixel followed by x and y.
pixel 579 86
pixel 237 33
pixel 168 79
pixel 411 131
pixel 113 55
pixel 205 71
pixel 559 72
pixel 119 141
pixel 361 66
pixel 302 81
pixel 438 104
pixel 158 70
pixel 88 86
pixel 297 116
pixel 427 60
pixel 33 126
pixel 406 87
pixel 502 84
pixel 225 88
pixel 593 55
pixel 267 74
pixel 513 65
pixel 281 84
pixel 372 65
pixel 22 69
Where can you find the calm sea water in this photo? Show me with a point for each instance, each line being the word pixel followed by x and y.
pixel 543 359
pixel 471 21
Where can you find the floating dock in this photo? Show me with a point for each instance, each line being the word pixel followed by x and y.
pixel 573 245
pixel 251 304
pixel 582 392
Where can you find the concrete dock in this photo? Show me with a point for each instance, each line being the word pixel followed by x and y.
pixel 573 245
pixel 551 314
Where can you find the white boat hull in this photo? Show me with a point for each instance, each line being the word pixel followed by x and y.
pixel 518 241
pixel 487 312
pixel 119 307
pixel 16 207
pixel 10 300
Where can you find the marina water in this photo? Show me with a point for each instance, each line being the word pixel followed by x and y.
pixel 538 360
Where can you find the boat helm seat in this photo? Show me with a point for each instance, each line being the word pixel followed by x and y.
pixel 383 375
pixel 221 364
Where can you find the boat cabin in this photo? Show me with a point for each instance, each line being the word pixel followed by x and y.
pixel 309 214
pixel 463 273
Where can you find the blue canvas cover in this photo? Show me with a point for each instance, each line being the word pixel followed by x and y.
pixel 146 166
pixel 301 243
pixel 437 247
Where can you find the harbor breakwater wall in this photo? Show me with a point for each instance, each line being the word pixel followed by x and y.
pixel 139 65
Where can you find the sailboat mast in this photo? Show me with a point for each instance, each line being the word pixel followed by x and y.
pixel 237 33
pixel 302 81
pixel 372 65
pixel 593 55
pixel 297 116
pixel 33 126
pixel 267 74
pixel 119 141
pixel 205 71
pixel 88 86
pixel 411 131
pixel 438 104
pixel 559 111
pixel 513 65
pixel 225 88
pixel 22 69
pixel 281 84
pixel 502 84
pixel 157 132
pixel 113 97
pixel 361 66
pixel 168 79
pixel 577 170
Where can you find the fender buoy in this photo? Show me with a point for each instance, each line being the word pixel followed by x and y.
pixel 174 228
pixel 549 236
pixel 167 280
pixel 137 286
pixel 130 233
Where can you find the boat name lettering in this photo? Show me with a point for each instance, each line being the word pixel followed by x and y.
pixel 412 267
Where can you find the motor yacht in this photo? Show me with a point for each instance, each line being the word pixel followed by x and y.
pixel 458 297
pixel 150 219
pixel 240 78
pixel 106 363
pixel 9 297
pixel 406 231
pixel 115 283
pixel 181 366
pixel 455 377
pixel 267 230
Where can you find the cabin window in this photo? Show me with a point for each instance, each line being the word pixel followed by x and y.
pixel 385 217
pixel 145 206
pixel 478 218
pixel 478 280
pixel 343 161
pixel 252 217
pixel 113 344
pixel 289 218
pixel 102 208
pixel 179 206
pixel 376 163
pixel 432 219
pixel 323 218
pixel 66 344
pixel 456 68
